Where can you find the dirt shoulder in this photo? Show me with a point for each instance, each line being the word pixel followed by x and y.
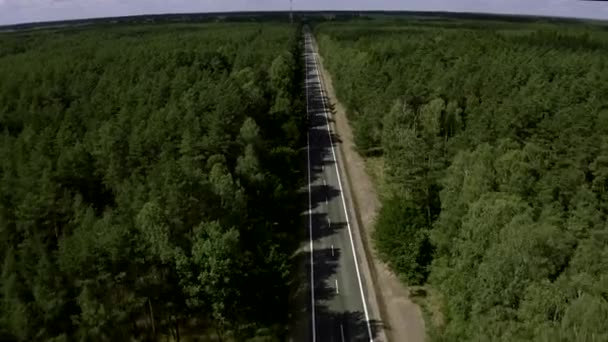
pixel 402 318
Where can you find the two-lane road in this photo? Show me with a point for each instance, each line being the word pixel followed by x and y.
pixel 338 303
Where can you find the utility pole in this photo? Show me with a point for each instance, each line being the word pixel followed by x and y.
pixel 291 11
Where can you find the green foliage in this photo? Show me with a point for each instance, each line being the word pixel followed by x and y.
pixel 401 237
pixel 148 181
pixel 494 138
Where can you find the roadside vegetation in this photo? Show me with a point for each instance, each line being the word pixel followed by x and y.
pixel 494 145
pixel 148 181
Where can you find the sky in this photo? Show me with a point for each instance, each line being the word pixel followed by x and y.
pixel 23 11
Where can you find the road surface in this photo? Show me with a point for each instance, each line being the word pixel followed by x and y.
pixel 338 300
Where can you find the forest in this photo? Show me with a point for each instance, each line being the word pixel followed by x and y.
pixel 493 144
pixel 149 181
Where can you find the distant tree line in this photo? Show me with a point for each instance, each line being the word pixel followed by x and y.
pixel 495 146
pixel 148 182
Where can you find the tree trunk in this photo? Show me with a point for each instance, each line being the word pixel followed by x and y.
pixel 152 318
pixel 428 207
pixel 219 334
pixel 427 191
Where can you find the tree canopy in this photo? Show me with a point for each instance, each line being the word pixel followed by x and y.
pixel 493 136
pixel 149 181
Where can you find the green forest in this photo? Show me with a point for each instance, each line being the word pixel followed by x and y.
pixel 494 142
pixel 149 181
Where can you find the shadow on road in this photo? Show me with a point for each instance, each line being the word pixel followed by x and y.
pixel 346 326
pixel 322 193
pixel 330 324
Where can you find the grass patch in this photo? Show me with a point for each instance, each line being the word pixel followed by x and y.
pixel 430 301
pixel 374 166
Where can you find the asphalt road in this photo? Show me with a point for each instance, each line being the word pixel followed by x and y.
pixel 338 308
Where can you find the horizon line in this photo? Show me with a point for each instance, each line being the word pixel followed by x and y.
pixel 286 11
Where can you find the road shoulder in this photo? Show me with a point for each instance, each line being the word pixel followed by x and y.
pixel 402 318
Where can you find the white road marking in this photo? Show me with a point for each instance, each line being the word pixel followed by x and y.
pixel 350 233
pixel 312 270
pixel 328 222
pixel 342 332
pixel 332 250
pixel 337 288
pixel 324 183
